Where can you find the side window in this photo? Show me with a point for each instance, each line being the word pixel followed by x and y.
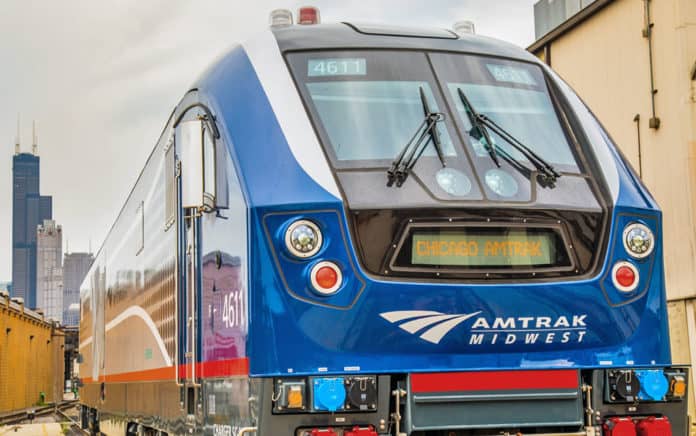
pixel 170 182
pixel 139 228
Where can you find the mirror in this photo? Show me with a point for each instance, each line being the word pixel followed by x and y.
pixel 189 138
pixel 209 167
pixel 203 186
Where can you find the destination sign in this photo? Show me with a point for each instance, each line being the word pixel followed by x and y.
pixel 507 73
pixel 484 248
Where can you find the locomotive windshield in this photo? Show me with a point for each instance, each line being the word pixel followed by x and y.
pixel 513 95
pixel 369 104
pixel 366 106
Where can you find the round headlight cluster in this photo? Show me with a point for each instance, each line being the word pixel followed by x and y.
pixel 303 239
pixel 638 240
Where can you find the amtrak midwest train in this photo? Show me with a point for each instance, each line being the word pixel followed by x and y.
pixel 360 230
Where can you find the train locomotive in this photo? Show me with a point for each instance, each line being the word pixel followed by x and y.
pixel 361 230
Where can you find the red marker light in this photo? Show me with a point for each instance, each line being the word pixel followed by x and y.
pixel 625 276
pixel 308 15
pixel 326 278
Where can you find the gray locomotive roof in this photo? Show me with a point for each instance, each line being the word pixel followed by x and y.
pixel 351 35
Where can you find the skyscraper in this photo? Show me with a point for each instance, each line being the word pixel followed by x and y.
pixel 49 269
pixel 75 268
pixel 29 209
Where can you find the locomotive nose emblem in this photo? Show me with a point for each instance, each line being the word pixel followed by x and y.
pixel 438 324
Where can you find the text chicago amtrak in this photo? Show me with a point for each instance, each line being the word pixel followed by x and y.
pixel 528 330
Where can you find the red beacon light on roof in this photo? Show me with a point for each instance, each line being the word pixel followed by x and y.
pixel 308 15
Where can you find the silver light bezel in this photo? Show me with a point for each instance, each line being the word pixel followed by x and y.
pixel 651 237
pixel 288 239
pixel 617 285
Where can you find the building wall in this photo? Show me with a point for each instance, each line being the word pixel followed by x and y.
pixel 31 358
pixel 606 60
pixel 75 268
pixel 49 269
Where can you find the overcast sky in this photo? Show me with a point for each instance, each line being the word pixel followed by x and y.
pixel 100 79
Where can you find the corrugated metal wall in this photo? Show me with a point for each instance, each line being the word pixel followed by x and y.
pixel 31 359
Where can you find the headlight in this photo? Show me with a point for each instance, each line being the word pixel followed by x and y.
pixel 303 239
pixel 638 240
pixel 501 182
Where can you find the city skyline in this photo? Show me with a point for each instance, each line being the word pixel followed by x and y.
pixel 102 87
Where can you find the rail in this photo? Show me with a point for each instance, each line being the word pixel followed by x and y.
pixel 74 425
pixel 23 415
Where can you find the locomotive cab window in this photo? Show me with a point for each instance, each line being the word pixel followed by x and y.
pixel 170 185
pixel 368 106
pixel 512 95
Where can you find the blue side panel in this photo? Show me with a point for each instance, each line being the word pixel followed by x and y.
pixel 270 171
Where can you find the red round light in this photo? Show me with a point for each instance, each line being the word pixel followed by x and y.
pixel 308 15
pixel 625 276
pixel 326 277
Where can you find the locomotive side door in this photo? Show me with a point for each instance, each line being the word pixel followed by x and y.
pixel 188 140
pixel 195 147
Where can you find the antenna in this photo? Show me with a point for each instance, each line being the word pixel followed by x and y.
pixel 67 246
pixel 34 142
pixel 17 138
pixel 90 245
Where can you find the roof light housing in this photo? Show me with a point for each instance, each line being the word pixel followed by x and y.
pixel 280 18
pixel 464 27
pixel 308 15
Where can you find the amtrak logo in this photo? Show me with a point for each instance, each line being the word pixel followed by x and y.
pixel 432 326
pixel 420 319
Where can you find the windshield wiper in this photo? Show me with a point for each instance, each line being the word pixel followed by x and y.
pixel 478 130
pixel 547 172
pixel 414 148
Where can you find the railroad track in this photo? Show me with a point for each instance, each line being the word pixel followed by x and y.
pixel 75 428
pixel 23 415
